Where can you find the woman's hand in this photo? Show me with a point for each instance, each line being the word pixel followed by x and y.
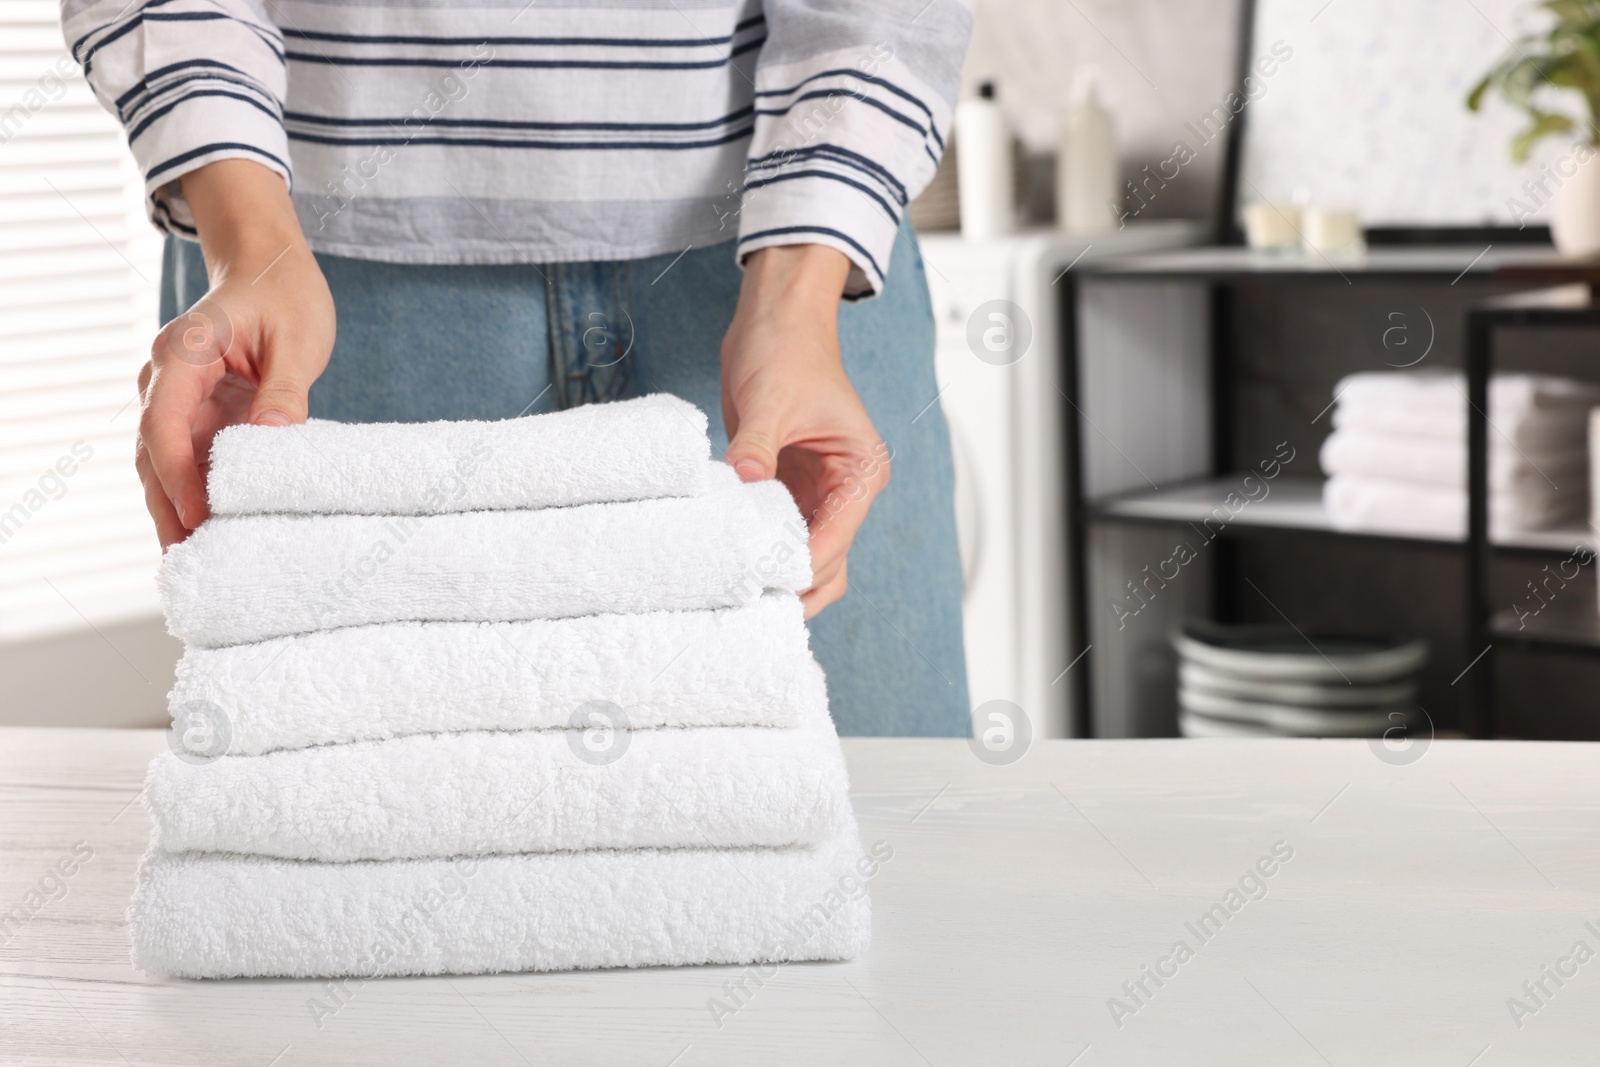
pixel 790 409
pixel 247 351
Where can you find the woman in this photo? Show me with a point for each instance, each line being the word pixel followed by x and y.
pixel 517 207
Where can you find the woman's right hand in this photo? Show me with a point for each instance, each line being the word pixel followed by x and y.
pixel 247 351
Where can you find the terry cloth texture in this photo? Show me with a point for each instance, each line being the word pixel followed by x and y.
pixel 654 446
pixel 441 795
pixel 1397 458
pixel 249 578
pixel 515 738
pixel 746 666
pixel 216 915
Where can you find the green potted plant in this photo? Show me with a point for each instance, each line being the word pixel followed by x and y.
pixel 1561 59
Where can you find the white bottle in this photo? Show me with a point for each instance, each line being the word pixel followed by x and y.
pixel 984 172
pixel 1087 167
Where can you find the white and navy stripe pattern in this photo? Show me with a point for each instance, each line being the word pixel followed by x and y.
pixel 499 131
pixel 192 81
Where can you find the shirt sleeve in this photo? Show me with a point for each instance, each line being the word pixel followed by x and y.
pixel 191 81
pixel 853 104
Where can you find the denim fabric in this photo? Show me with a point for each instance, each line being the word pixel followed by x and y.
pixel 474 342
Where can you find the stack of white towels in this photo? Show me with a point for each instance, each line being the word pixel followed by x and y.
pixel 524 695
pixel 1397 458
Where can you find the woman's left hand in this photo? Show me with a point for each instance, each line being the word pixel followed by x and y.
pixel 790 409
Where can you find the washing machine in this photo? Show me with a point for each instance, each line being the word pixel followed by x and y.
pixel 999 363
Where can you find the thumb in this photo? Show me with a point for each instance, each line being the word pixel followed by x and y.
pixel 753 452
pixel 281 395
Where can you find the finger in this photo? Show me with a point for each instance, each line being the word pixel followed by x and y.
pixel 813 600
pixel 832 529
pixel 824 591
pixel 827 571
pixel 289 365
pixel 169 528
pixel 753 452
pixel 730 414
pixel 175 391
pixel 835 522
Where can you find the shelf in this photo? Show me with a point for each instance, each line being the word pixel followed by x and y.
pixel 1292 504
pixel 1575 628
pixel 1520 263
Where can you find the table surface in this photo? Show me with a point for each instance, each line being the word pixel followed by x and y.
pixel 1419 897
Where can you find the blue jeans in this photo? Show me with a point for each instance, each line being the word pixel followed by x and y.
pixel 417 343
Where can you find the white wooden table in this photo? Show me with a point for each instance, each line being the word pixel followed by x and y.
pixel 1418 900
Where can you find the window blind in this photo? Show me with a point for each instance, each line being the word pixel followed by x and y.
pixel 78 272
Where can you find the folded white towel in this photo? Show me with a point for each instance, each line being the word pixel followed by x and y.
pixel 1594 468
pixel 210 915
pixel 1554 432
pixel 1411 508
pixel 1437 400
pixel 650 447
pixel 1407 458
pixel 249 578
pixel 747 666
pixel 440 795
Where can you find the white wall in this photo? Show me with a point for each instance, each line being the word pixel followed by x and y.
pixel 1163 62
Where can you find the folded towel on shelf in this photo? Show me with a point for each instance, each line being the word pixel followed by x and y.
pixel 1412 508
pixel 1557 431
pixel 214 915
pixel 1397 457
pixel 746 666
pixel 249 578
pixel 654 446
pixel 1435 402
pixel 440 795
pixel 1593 449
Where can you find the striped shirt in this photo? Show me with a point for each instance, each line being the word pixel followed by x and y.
pixel 526 131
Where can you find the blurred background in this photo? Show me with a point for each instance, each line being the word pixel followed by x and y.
pixel 1166 237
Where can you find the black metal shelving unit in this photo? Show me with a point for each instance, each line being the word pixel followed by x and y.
pixel 1575 627
pixel 1298 512
pixel 1520 258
